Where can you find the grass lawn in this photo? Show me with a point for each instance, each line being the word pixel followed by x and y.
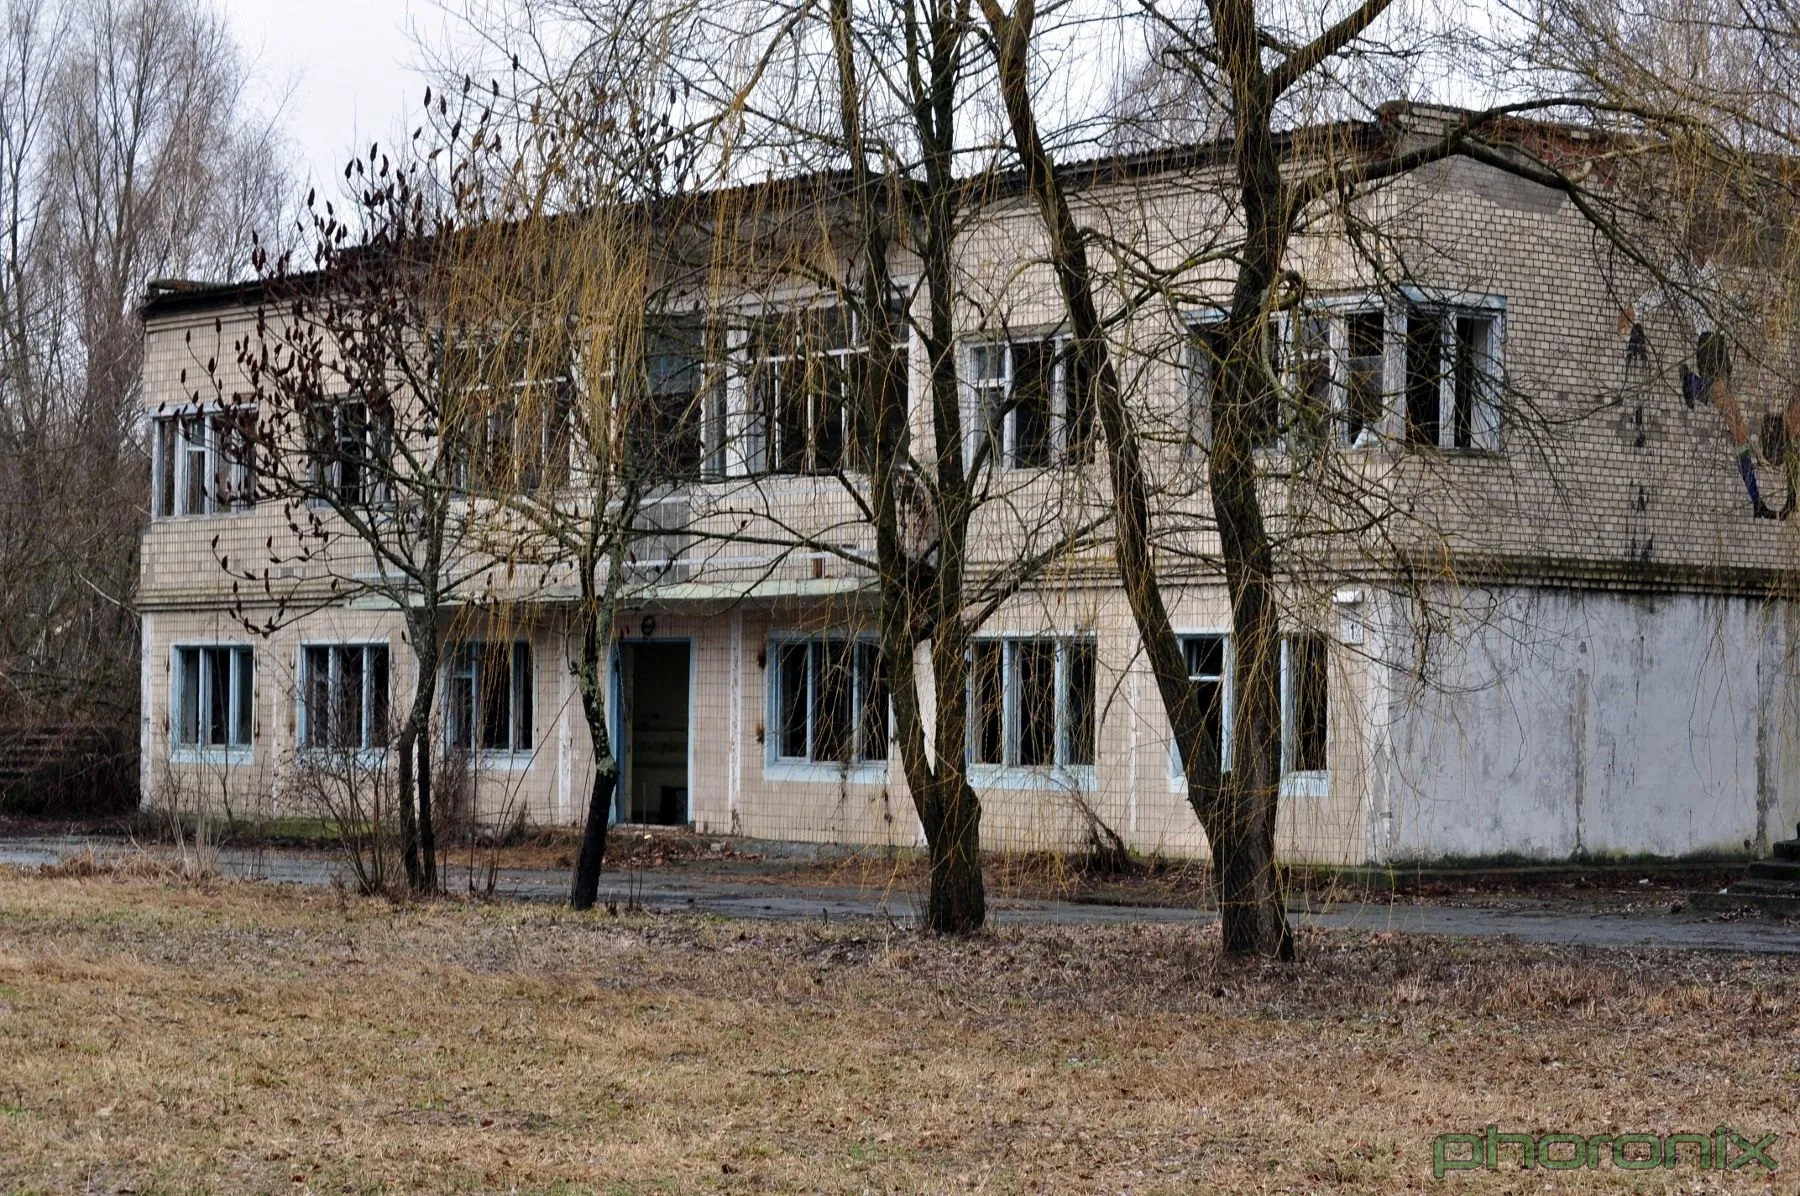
pixel 159 1037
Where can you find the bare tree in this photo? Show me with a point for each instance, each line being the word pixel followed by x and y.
pixel 128 153
pixel 1277 178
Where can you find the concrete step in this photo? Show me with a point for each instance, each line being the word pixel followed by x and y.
pixel 1787 849
pixel 1784 871
pixel 1774 904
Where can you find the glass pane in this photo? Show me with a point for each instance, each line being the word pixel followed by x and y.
pixel 1307 674
pixel 791 691
pixel 1363 404
pixel 1033 369
pixel 315 689
pixel 1079 657
pixel 872 677
pixel 1469 368
pixel 1034 661
pixel 987 701
pixel 216 686
pixel 790 418
pixel 378 696
pixel 833 689
pixel 187 695
pixel 493 698
pixel 347 701
pixel 1206 668
pixel 163 467
pixel 460 701
pixel 193 466
pixel 1081 413
pixel 243 720
pixel 1424 365
pixel 521 697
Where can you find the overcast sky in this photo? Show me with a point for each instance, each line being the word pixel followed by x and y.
pixel 343 69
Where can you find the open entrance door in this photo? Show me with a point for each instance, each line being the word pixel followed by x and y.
pixel 653 693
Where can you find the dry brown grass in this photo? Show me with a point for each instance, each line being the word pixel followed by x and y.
pixel 157 1037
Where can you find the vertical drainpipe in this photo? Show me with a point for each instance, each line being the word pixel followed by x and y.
pixel 1578 733
pixel 1766 672
pixel 147 655
pixel 735 726
pixel 565 738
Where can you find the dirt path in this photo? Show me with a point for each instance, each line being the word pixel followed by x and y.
pixel 756 889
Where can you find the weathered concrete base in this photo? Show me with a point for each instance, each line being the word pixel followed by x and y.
pixel 1771 886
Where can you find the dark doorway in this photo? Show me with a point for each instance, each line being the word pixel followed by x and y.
pixel 654 714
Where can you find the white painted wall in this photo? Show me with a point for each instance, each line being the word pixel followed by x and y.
pixel 1563 721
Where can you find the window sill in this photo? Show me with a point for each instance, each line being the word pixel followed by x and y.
pixel 189 754
pixel 232 513
pixel 814 772
pixel 1048 778
pixel 1305 784
pixel 493 760
pixel 369 757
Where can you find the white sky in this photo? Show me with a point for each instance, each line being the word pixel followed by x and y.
pixel 343 71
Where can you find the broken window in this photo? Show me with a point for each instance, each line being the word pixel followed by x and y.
pixel 344 696
pixel 488 697
pixel 1205 351
pixel 214 697
pixel 507 406
pixel 1365 397
pixel 202 463
pixel 1208 666
pixel 1452 378
pixel 1310 381
pixel 831 700
pixel 1032 702
pixel 1261 416
pixel 352 452
pixel 805 371
pixel 1305 686
pixel 1033 404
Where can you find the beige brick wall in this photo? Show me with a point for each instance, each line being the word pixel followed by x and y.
pixel 1601 477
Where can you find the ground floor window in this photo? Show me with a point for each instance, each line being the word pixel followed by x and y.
pixel 1305 701
pixel 830 701
pixel 1209 668
pixel 1031 702
pixel 213 702
pixel 344 696
pixel 487 697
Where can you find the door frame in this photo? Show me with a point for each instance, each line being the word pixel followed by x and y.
pixel 618 728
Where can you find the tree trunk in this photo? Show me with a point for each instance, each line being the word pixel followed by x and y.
pixel 958 898
pixel 598 605
pixel 409 825
pixel 586 887
pixel 1237 811
pixel 425 654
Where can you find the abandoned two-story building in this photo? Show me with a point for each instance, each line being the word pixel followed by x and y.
pixel 1581 643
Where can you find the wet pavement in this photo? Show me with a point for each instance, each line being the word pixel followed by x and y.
pixel 698 888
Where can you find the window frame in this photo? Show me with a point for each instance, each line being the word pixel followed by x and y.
pixel 521 683
pixel 1062 771
pixel 1303 782
pixel 1066 449
pixel 365 746
pixel 375 445
pixel 240 702
pixel 1227 699
pixel 861 766
pixel 173 449
pixel 763 452
pixel 1339 314
pixel 1488 381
